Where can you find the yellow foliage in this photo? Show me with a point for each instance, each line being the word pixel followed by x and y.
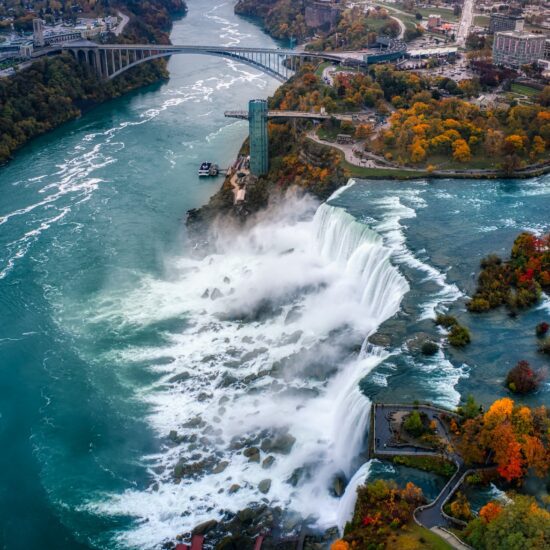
pixel 499 411
pixel 418 152
pixel 461 151
pixel 514 143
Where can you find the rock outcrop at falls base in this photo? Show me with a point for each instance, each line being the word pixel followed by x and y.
pixel 239 531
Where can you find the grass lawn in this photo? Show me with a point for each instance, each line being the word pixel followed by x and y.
pixel 437 465
pixel 330 134
pixel 446 15
pixel 481 20
pixel 525 90
pixel 478 162
pixel 379 173
pixel 415 537
pixel 321 67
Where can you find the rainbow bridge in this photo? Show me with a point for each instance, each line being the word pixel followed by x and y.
pixel 110 60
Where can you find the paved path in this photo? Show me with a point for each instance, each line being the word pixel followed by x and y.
pixel 385 443
pixel 431 515
pixel 370 161
pixel 122 24
pixel 450 539
pixel 401 26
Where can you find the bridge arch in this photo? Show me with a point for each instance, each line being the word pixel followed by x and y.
pixel 112 60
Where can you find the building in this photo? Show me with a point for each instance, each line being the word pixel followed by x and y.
pixel 257 130
pixel 517 48
pixel 434 21
pixel 547 49
pixel 25 50
pixel 58 38
pixel 505 22
pixel 38 32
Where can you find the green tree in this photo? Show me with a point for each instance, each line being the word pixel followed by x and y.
pixel 413 424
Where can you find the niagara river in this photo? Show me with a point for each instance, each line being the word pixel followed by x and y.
pixel 137 375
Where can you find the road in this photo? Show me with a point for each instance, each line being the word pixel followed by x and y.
pixel 122 24
pixel 401 26
pixel 465 22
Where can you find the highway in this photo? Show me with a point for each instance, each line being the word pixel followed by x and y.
pixel 465 22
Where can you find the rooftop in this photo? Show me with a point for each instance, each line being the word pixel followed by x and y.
pixel 519 34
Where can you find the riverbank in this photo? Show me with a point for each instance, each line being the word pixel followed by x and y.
pixel 70 89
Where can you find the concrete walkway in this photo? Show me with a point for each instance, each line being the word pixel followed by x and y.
pixel 122 24
pixel 449 538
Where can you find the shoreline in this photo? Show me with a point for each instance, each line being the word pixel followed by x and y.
pixel 146 75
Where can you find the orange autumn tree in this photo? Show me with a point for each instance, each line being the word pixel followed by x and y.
pixel 490 511
pixel 512 437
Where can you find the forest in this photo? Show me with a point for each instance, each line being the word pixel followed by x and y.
pixel 56 89
pixel 280 18
pixel 451 131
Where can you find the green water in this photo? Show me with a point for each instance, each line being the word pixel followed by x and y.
pixel 98 203
pixel 101 307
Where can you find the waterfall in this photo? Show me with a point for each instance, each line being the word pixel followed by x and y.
pixel 335 275
pixel 361 253
pixel 347 502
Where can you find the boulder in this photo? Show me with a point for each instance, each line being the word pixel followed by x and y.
pixel 338 486
pixel 220 467
pixel 268 461
pixel 252 453
pixel 181 377
pixel 281 443
pixel 382 340
pixel 216 293
pixel 296 476
pixel 233 489
pixel 264 486
pixel 204 527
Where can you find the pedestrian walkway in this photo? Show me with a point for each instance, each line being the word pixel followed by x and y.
pixel 450 539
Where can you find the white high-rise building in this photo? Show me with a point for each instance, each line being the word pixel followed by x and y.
pixel 517 48
pixel 38 32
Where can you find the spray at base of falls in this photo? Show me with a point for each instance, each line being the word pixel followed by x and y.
pixel 270 322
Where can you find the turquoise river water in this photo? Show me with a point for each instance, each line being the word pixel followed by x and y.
pixel 110 338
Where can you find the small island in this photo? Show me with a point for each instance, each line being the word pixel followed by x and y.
pixel 470 448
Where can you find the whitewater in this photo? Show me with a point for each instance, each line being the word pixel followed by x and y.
pixel 275 342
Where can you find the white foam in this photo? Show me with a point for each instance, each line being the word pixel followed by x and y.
pixel 349 498
pixel 333 272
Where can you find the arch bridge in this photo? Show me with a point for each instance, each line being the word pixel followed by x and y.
pixel 110 60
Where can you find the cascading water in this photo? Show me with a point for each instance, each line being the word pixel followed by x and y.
pixel 270 322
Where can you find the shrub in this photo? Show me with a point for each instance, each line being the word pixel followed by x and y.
pixel 490 261
pixel 434 464
pixel 542 329
pixel 478 305
pixel 459 336
pixel 460 507
pixel 446 321
pixel 522 378
pixel 429 348
pixel 413 424
pixel 474 479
